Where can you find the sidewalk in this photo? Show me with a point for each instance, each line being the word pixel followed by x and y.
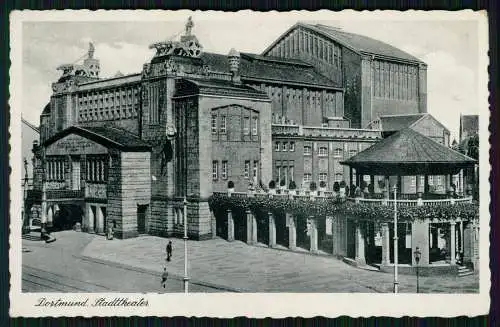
pixel 238 266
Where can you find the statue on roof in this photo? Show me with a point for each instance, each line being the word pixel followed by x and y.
pixel 189 25
pixel 91 50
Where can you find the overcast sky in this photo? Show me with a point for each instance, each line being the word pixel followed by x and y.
pixel 449 47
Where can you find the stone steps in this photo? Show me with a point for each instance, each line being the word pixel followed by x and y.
pixel 464 271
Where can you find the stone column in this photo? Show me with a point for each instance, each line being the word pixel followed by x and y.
pixel 386 245
pixel 272 231
pixel 468 246
pixel 100 221
pixel 90 219
pixel 360 245
pixel 314 235
pixel 213 224
pixel 230 226
pixel 292 232
pixel 249 217
pixel 254 229
pixel 335 236
pixel 452 243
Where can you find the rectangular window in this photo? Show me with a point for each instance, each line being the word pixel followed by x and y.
pixel 277 146
pixel 255 126
pixel 323 177
pixel 431 180
pixel 223 124
pixel 307 177
pixel 247 169
pixel 438 180
pixel 337 153
pixel 284 147
pixel 246 126
pixel 352 153
pixel 338 177
pixel 323 151
pixel 215 170
pixel 223 172
pixel 256 170
pixel 214 124
pixel 307 150
pixel 413 181
pixel 292 146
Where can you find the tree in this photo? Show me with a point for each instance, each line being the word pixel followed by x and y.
pixel 473 147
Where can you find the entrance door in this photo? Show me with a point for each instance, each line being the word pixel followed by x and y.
pixel 75 173
pixel 141 218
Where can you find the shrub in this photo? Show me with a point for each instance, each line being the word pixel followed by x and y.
pixel 363 185
pixel 272 184
pixel 230 184
pixel 312 186
pixel 282 182
pixel 322 184
pixel 336 187
pixel 342 184
pixel 292 185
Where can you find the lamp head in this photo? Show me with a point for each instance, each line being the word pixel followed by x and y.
pixel 417 254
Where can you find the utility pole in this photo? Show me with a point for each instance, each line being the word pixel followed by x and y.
pixel 395 242
pixel 186 278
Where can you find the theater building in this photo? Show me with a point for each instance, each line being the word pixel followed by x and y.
pixel 126 150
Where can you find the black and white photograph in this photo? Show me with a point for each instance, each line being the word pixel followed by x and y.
pixel 334 162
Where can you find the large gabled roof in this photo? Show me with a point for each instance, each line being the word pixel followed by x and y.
pixel 356 42
pixel 393 123
pixel 257 68
pixel 108 136
pixel 409 148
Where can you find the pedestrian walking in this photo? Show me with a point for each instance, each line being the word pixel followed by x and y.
pixel 164 277
pixel 169 250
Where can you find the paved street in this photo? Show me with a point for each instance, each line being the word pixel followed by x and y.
pixel 260 269
pixel 80 262
pixel 56 267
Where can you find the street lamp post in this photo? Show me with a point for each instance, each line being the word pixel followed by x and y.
pixel 186 278
pixel 395 243
pixel 417 255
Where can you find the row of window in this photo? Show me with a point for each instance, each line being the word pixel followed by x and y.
pixel 284 146
pixel 222 171
pixel 55 169
pixel 303 41
pixel 219 125
pixel 323 177
pixel 322 151
pixel 97 169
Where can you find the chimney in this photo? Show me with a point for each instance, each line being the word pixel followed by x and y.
pixel 234 65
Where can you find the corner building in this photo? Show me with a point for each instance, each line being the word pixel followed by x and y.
pixel 125 151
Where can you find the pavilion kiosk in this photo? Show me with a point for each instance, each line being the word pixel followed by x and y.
pixel 443 244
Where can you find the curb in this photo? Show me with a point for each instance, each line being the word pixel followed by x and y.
pixel 158 274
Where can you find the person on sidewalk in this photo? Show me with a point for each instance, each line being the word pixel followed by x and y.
pixel 169 250
pixel 164 277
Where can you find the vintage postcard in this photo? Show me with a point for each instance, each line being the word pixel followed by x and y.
pixel 178 163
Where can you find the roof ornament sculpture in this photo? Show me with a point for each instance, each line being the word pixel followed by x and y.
pixel 188 46
pixel 91 50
